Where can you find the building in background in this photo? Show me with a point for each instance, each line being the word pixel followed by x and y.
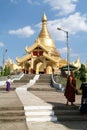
pixel 42 56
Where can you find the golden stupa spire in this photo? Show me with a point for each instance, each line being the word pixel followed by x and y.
pixel 44 35
pixel 44 18
pixel 44 32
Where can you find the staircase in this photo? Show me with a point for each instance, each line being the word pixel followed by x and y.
pixel 42 84
pixel 17 83
pixel 25 79
pixel 69 113
pixel 40 114
pixel 55 111
pixel 44 79
pixel 12 114
pixel 43 90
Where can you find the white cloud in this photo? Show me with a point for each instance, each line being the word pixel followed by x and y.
pixel 22 32
pixel 73 24
pixel 33 2
pixel 63 50
pixel 74 55
pixel 14 1
pixel 63 53
pixel 63 6
pixel 1 44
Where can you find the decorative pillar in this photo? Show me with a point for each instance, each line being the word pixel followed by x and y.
pixel 53 70
pixel 32 70
pixel 44 66
pixel 44 70
pixel 23 68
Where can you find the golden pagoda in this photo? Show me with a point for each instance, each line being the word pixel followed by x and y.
pixel 42 56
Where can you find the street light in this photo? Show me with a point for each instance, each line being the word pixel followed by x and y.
pixel 4 53
pixel 67 47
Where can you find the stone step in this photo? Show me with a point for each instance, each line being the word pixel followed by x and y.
pixel 13 86
pixel 29 76
pixel 25 79
pixel 69 113
pixel 11 108
pixel 66 112
pixel 64 107
pixel 44 77
pixel 22 81
pixel 72 118
pixel 4 88
pixel 43 80
pixel 43 83
pixel 41 89
pixel 41 118
pixel 34 108
pixel 12 113
pixel 12 118
pixel 39 113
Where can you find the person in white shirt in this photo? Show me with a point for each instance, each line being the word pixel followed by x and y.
pixel 8 84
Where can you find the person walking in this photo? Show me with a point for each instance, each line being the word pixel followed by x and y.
pixel 70 89
pixel 8 83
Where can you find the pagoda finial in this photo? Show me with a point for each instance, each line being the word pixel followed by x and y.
pixel 44 36
pixel 44 18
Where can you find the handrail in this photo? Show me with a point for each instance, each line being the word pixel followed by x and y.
pixel 59 87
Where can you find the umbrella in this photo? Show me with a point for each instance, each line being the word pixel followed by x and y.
pixel 71 68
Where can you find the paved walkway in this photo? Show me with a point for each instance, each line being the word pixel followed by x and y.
pixel 74 125
pixel 30 99
pixel 13 126
pixel 10 99
pixel 22 97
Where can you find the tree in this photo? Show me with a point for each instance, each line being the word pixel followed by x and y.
pixel 77 74
pixel 1 70
pixel 82 71
pixel 6 71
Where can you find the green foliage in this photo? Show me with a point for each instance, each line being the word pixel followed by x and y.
pixel 6 71
pixel 81 72
pixel 1 70
pixel 77 74
pixel 78 83
pixel 60 79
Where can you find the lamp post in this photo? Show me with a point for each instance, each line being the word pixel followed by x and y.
pixel 4 53
pixel 67 47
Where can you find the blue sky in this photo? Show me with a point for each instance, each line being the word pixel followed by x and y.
pixel 20 25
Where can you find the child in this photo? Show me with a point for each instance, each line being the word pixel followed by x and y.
pixel 8 84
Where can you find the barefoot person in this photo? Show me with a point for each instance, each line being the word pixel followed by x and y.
pixel 70 89
pixel 8 84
